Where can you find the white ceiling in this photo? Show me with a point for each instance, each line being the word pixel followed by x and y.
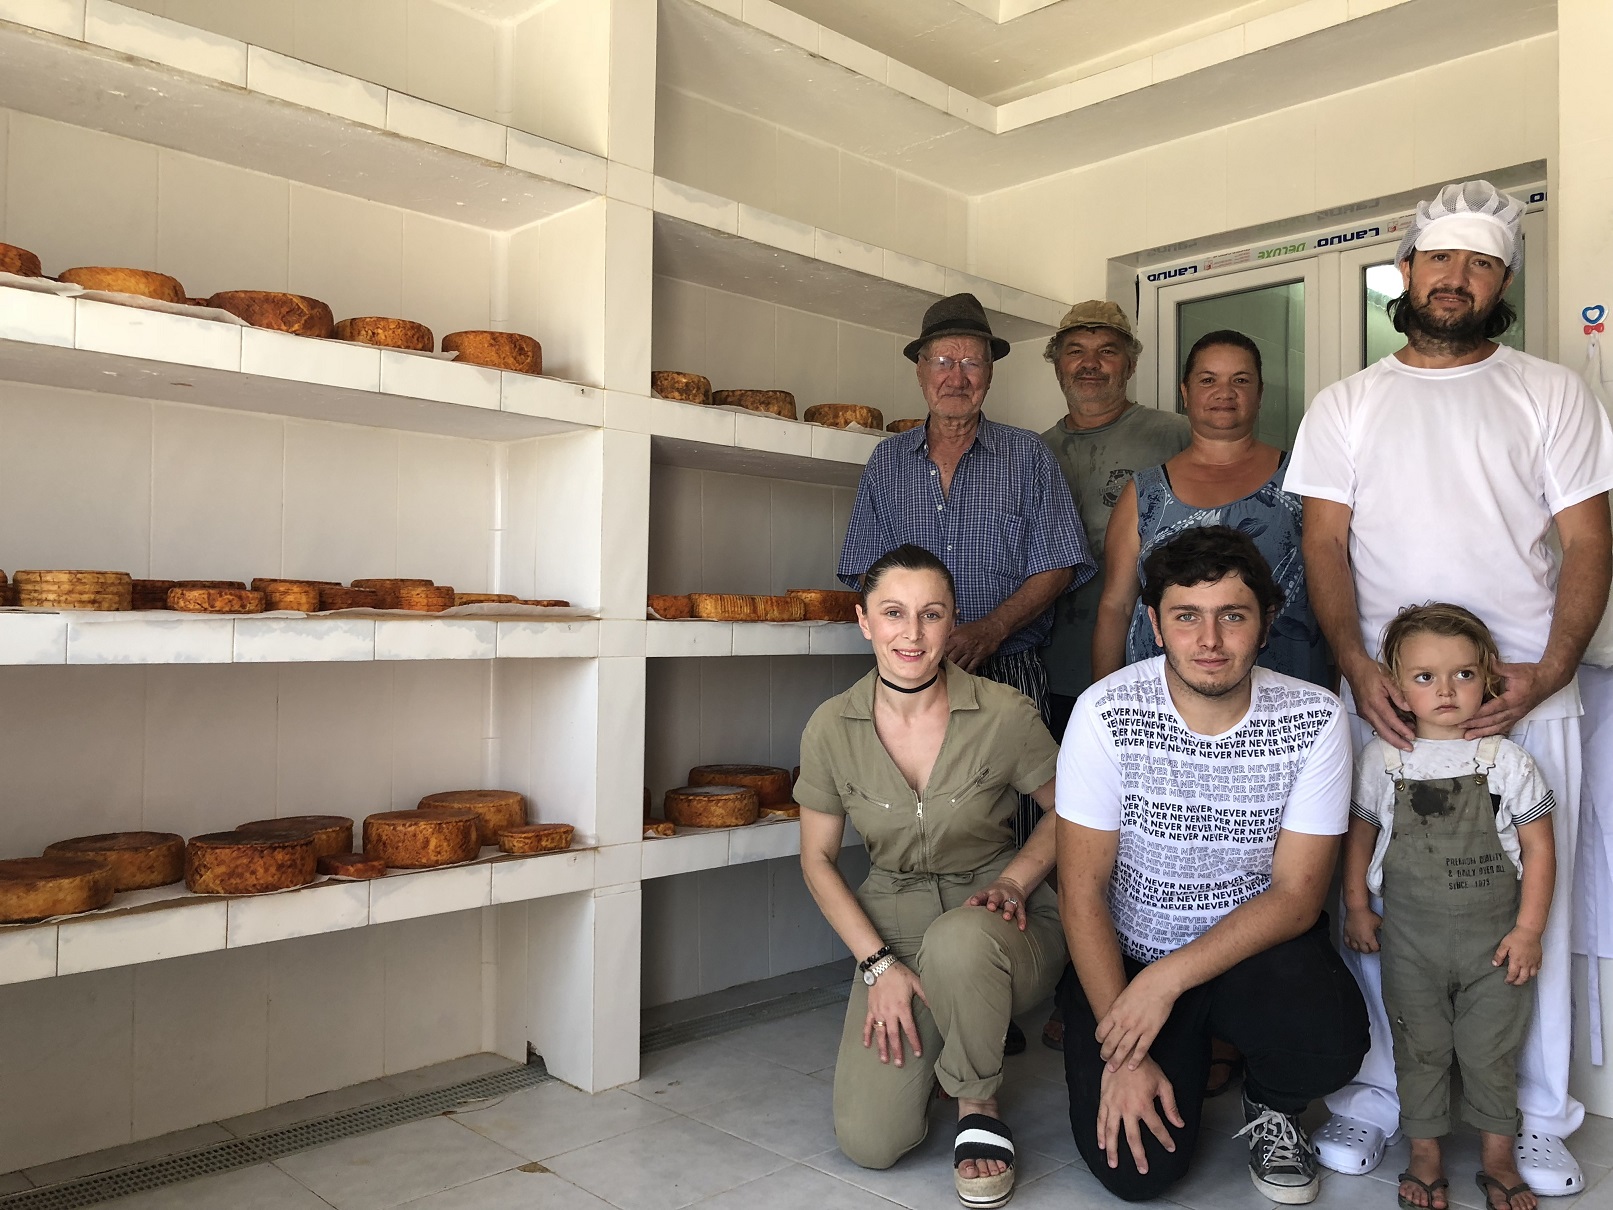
pixel 955 41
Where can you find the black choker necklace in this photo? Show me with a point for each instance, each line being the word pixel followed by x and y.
pixel 919 689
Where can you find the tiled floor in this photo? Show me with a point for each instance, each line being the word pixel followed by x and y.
pixel 742 1121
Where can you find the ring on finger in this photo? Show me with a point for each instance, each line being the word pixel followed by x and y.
pixel 879 1025
pixel 1010 903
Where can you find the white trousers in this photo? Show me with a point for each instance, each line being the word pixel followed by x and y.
pixel 1543 1064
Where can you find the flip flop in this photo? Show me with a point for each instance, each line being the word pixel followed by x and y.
pixel 1234 1069
pixel 1430 1188
pixel 1489 1186
pixel 981 1137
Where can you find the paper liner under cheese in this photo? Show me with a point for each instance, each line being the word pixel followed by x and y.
pixel 711 806
pixel 828 604
pixel 844 415
pixel 240 863
pixel 535 838
pixel 494 809
pixel 772 784
pixel 775 403
pixel 422 838
pixel 136 860
pixel 36 888
pixel 332 834
pixel 686 388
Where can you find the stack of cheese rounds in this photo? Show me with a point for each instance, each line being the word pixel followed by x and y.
pixel 774 403
pixel 141 282
pixel 495 810
pixel 428 598
pixel 729 607
pixel 686 388
pixel 498 350
pixel 844 415
pixel 422 838
pixel 36 888
pixel 104 590
pixel 772 785
pixel 387 333
pixel 135 861
pixel 247 863
pixel 711 806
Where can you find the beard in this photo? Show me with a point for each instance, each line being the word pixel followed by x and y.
pixel 1461 332
pixel 1230 680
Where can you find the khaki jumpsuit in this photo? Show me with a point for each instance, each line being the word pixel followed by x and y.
pixel 1450 894
pixel 928 857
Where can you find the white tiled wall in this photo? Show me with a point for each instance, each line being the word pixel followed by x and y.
pixel 749 160
pixel 741 343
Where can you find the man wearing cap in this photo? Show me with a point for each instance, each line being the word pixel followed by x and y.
pixel 1437 474
pixel 1100 443
pixel 988 498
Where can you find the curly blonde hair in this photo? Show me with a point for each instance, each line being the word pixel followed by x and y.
pixel 1452 621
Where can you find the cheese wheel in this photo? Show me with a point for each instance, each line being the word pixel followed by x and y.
pixel 494 809
pixel 103 590
pixel 485 598
pixel 236 584
pixel 686 388
pixel 241 863
pixel 259 582
pixel 771 783
pixel 216 600
pixel 388 333
pixel 828 604
pixel 722 607
pixel 351 865
pixel 136 860
pixel 779 609
pixel 331 834
pixel 671 607
pixel 660 827
pixel 289 594
pixel 499 350
pixel 19 261
pixel 126 281
pixel 294 313
pixel 775 403
pixel 149 594
pixel 788 810
pixel 424 837
pixel 433 598
pixel 844 415
pixel 349 598
pixel 535 838
pixel 54 576
pixel 36 888
pixel 902 426
pixel 711 806
pixel 8 594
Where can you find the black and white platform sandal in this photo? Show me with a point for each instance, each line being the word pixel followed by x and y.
pixel 983 1138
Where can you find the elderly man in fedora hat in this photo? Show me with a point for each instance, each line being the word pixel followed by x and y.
pixel 988 498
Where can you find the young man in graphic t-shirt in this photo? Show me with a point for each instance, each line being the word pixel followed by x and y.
pixel 1200 803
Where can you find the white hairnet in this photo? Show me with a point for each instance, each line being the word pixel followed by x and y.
pixel 1474 215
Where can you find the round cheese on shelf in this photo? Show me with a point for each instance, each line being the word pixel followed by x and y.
pixel 331 834
pixel 671 607
pixel 660 827
pixel 711 806
pixel 349 598
pixel 188 599
pixel 494 809
pixel 136 860
pixel 433 598
pixel 241 863
pixel 126 281
pixel 298 595
pixel 771 783
pixel 102 590
pixel 722 607
pixel 535 838
pixel 424 837
pixel 485 598
pixel 844 415
pixel 390 591
pixel 294 313
pixel 685 388
pixel 387 333
pixel 19 261
pixel 351 865
pixel 775 403
pixel 36 888
pixel 150 594
pixel 779 609
pixel 828 604
pixel 497 350
pixel 902 426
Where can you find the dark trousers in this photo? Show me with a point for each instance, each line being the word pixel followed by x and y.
pixel 1023 670
pixel 1059 709
pixel 1293 1010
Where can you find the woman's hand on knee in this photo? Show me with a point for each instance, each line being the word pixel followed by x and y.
pixel 1126 1104
pixel 1005 896
pixel 890 1014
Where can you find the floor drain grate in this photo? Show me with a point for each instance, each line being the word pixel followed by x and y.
pixel 273 1144
pixel 735 1018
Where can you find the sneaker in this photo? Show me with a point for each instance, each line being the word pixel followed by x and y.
pixel 1281 1163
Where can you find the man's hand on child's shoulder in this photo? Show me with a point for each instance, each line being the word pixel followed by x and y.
pixel 1361 930
pixel 1520 950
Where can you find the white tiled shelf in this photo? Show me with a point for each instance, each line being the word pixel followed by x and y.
pixel 166 638
pixel 711 848
pixel 170 922
pixel 692 637
pixel 85 345
pixel 727 245
pixel 226 100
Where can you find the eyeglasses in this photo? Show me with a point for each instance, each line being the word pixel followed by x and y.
pixel 945 365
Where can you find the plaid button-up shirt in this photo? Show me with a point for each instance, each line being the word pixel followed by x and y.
pixel 1008 517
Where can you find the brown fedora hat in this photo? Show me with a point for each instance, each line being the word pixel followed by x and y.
pixel 959 315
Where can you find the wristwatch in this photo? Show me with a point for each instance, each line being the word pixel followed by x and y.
pixel 872 958
pixel 879 967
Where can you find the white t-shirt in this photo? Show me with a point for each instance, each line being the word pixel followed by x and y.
pixel 1453 477
pixel 1515 779
pixel 1198 815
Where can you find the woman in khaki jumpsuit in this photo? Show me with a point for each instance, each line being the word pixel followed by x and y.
pixel 954 931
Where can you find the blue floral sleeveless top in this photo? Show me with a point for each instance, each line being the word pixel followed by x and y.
pixel 1271 518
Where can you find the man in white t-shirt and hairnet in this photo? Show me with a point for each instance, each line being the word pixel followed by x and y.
pixel 1437 474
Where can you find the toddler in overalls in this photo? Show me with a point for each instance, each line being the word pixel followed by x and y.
pixel 1454 836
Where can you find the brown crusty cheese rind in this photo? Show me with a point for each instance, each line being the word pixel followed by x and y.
pixel 294 313
pixel 422 838
pixel 332 834
pixel 36 888
pixel 386 333
pixel 142 282
pixel 671 607
pixel 351 865
pixel 497 350
pixel 711 806
pixel 722 607
pixel 779 609
pixel 685 388
pixel 844 415
pixel 771 783
pixel 828 604
pixel 535 838
pixel 775 403
pixel 188 599
pixel 136 860
pixel 19 261
pixel 494 809
pixel 425 598
pixel 902 426
pixel 240 863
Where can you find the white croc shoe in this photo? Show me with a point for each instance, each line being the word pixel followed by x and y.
pixel 1349 1145
pixel 1545 1163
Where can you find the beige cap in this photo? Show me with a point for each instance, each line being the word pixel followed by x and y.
pixel 1095 313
